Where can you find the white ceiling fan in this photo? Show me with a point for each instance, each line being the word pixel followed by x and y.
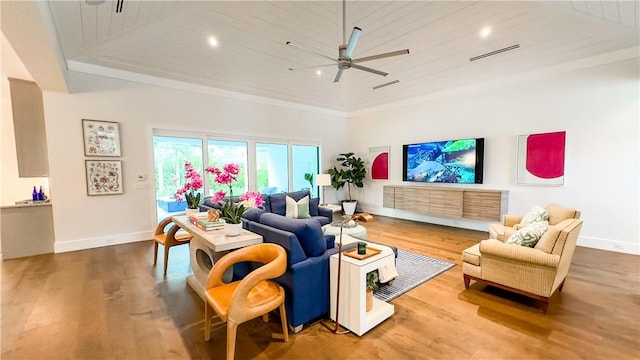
pixel 345 51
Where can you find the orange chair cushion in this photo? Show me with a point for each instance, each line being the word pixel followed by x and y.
pixel 220 297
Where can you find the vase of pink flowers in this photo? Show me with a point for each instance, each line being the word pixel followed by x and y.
pixel 189 191
pixel 232 212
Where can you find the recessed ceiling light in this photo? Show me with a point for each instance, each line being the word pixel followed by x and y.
pixel 319 72
pixel 486 31
pixel 213 41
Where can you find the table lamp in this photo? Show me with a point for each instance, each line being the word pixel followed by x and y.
pixel 323 180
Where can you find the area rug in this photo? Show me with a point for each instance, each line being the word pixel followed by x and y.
pixel 413 270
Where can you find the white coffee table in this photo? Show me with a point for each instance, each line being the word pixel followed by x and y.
pixel 358 231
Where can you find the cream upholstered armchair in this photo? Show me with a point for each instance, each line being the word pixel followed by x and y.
pixel 536 272
pixel 512 222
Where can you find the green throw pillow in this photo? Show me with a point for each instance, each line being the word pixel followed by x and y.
pixel 528 235
pixel 297 210
pixel 537 214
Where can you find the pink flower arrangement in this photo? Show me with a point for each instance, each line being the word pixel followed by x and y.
pixel 231 212
pixel 191 187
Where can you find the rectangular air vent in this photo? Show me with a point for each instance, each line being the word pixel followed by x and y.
pixel 495 52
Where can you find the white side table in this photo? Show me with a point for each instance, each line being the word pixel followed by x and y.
pixel 353 314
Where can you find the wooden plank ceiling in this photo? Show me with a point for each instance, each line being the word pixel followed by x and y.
pixel 168 39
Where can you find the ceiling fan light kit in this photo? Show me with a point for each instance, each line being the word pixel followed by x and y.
pixel 345 52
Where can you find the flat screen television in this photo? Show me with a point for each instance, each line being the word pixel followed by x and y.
pixel 451 161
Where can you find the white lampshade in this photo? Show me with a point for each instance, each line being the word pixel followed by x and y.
pixel 323 179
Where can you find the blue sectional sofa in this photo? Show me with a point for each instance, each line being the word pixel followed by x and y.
pixel 275 203
pixel 306 281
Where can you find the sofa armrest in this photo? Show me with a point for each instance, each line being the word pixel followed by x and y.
pixel 322 211
pixel 515 253
pixel 512 219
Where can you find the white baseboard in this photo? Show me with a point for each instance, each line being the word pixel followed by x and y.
pixel 407 215
pixel 609 245
pixel 585 241
pixel 90 243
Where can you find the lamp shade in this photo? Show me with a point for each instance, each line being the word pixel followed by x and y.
pixel 323 179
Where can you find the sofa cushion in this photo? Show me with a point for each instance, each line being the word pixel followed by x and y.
pixel 536 214
pixel 557 213
pixel 528 235
pixel 297 209
pixel 548 239
pixel 313 206
pixel 253 214
pixel 308 232
pixel 277 202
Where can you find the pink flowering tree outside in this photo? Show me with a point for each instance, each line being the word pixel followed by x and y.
pixel 189 191
pixel 231 212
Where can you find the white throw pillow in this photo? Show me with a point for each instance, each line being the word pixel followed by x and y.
pixel 528 235
pixel 536 214
pixel 297 209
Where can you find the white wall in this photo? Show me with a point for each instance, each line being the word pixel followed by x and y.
pixel 597 107
pixel 83 221
pixel 12 187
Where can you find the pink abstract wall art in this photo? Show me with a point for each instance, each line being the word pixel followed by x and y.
pixel 380 166
pixel 541 158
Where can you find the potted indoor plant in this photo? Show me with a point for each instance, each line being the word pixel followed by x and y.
pixel 232 212
pixel 352 172
pixel 190 188
pixel 372 285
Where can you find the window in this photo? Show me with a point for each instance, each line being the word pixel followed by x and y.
pixel 223 152
pixel 170 153
pixel 305 165
pixel 272 168
pixel 265 166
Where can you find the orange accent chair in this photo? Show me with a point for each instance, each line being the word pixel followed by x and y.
pixel 168 239
pixel 253 296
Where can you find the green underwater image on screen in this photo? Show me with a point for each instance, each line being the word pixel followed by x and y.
pixel 451 161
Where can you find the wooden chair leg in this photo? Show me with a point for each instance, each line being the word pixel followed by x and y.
pixel 561 285
pixel 467 280
pixel 265 317
pixel 545 305
pixel 166 259
pixel 207 322
pixel 232 329
pixel 155 253
pixel 283 319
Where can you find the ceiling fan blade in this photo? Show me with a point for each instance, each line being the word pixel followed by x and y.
pixel 353 40
pixel 311 51
pixel 338 75
pixel 377 72
pixel 381 56
pixel 311 67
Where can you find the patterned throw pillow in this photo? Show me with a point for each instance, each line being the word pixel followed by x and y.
pixel 528 235
pixel 297 209
pixel 537 214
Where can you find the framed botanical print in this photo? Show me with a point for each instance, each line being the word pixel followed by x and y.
pixel 104 177
pixel 101 138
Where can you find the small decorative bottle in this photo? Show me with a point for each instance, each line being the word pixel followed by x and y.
pixel 34 194
pixel 41 194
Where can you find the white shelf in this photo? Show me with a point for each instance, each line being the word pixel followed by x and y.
pixel 352 312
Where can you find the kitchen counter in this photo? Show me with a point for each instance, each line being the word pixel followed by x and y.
pixel 27 229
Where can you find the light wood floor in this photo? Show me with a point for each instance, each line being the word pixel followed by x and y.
pixel 111 303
